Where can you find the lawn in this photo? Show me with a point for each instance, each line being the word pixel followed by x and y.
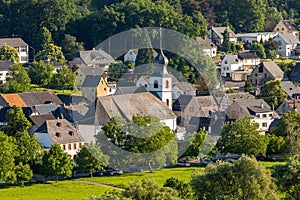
pixel 159 176
pixel 63 190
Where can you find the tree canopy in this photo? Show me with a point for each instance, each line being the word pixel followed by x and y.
pixel 273 93
pixel 64 79
pixel 40 73
pixel 9 53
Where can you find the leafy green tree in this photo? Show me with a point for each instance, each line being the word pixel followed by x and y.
pixel 16 122
pixel 273 93
pixel 276 144
pixel 90 158
pixel 7 154
pixel 70 45
pixel 18 80
pixel 242 137
pixel 144 56
pixel 288 127
pixel 226 45
pixel 183 189
pixel 287 178
pixel 248 86
pixel 195 143
pixel 23 173
pixel 64 79
pixel 51 52
pixel 150 190
pixel 9 53
pixel 29 148
pixel 243 179
pixel 259 49
pixel 56 163
pixel 44 39
pixel 116 70
pixel 40 73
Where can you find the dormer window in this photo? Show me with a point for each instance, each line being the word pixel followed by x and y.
pixel 57 134
pixel 71 133
pixel 59 124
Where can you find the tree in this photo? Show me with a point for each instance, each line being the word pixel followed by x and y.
pixel 44 39
pixel 276 144
pixel 90 158
pixel 23 173
pixel 7 154
pixel 9 53
pixel 259 49
pixel 116 70
pixel 287 178
pixel 16 122
pixel 144 56
pixel 64 79
pixel 288 127
pixel 51 52
pixel 29 148
pixel 18 80
pixel 226 45
pixel 150 190
pixel 273 93
pixel 70 45
pixel 183 189
pixel 40 73
pixel 271 47
pixel 56 163
pixel 243 179
pixel 248 86
pixel 242 137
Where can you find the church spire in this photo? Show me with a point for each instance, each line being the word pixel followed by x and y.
pixel 161 58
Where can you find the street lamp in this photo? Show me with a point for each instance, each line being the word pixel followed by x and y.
pixel 33 50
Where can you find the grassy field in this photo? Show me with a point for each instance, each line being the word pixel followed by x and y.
pixel 63 190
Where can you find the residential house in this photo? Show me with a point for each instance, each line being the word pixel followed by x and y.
pixel 4 68
pixel 229 64
pixel 182 88
pixel 287 43
pixel 130 56
pixel 208 47
pixel 84 71
pixel 60 131
pixel 288 105
pixel 39 120
pixel 295 75
pixel 235 85
pixel 216 35
pixel 290 89
pixel 72 99
pixel 21 47
pixel 91 58
pixel 266 71
pixel 229 98
pixel 250 38
pixel 249 59
pixel 128 105
pixel 286 26
pixel 259 111
pixel 188 106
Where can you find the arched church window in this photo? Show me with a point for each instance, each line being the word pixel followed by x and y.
pixel 167 84
pixel 168 102
pixel 155 84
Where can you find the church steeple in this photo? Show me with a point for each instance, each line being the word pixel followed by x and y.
pixel 160 80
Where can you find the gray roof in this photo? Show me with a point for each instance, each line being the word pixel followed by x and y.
pixel 43 109
pixel 295 75
pixel 38 120
pixel 92 70
pixel 228 99
pixel 289 38
pixel 290 88
pixel 220 30
pixel 201 101
pixel 5 65
pixel 128 105
pixel 273 69
pixel 91 57
pixel 234 84
pixel 91 81
pixel 288 105
pixel 233 59
pixel 206 43
pixel 37 98
pixel 14 42
pixel 60 131
pixel 184 86
pixel 289 24
pixel 130 90
pixel 247 55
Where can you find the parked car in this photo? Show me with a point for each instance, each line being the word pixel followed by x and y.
pixel 183 163
pixel 111 172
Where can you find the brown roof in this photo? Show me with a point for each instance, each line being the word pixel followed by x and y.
pixel 14 100
pixel 14 42
pixel 38 120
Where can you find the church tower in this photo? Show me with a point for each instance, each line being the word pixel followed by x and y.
pixel 161 81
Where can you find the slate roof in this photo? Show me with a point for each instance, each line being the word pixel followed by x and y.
pixel 43 109
pixel 72 99
pixel 205 42
pixel 247 55
pixel 184 86
pixel 201 101
pixel 288 105
pixel 290 88
pixel 92 70
pixel 182 102
pixel 60 131
pixel 273 69
pixel 91 57
pixel 289 38
pixel 228 99
pixel 233 59
pixel 91 81
pixel 220 30
pixel 5 65
pixel 290 25
pixel 38 120
pixel 30 99
pixel 14 42
pixel 128 105
pixel 295 75
pixel 130 90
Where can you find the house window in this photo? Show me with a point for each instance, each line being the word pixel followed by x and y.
pixel 145 85
pixel 155 84
pixel 64 147
pixel 168 102
pixel 257 115
pixel 271 115
pixel 282 29
pixel 167 84
pixel 264 115
pixel 23 58
pixel 80 145
pixel 225 62
pixel 23 49
pixel 74 146
pixel 69 146
pixel 264 124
